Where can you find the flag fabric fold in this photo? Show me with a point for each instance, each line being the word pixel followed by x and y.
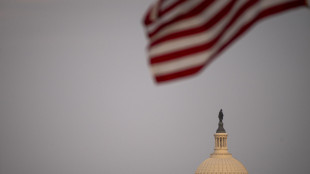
pixel 186 35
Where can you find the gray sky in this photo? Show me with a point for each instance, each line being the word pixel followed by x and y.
pixel 76 94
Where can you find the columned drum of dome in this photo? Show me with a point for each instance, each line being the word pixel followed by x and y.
pixel 221 161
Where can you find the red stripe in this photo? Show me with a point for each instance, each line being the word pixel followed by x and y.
pixel 206 26
pixel 147 20
pixel 196 10
pixel 184 73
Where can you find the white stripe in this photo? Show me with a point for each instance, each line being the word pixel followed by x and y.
pixel 183 8
pixel 167 3
pixel 191 22
pixel 193 40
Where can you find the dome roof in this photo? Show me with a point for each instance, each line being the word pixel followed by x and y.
pixel 227 165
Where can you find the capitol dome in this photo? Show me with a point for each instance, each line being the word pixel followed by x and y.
pixel 221 161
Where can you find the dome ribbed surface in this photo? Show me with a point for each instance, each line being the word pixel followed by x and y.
pixel 221 166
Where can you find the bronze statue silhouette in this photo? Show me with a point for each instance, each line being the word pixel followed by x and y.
pixel 221 115
pixel 221 129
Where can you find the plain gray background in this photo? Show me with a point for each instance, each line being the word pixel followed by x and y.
pixel 77 96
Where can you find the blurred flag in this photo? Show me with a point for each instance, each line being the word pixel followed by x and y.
pixel 186 35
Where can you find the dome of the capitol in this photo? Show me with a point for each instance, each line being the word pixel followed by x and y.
pixel 220 166
pixel 221 161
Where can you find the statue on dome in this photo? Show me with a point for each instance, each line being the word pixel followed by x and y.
pixel 221 129
pixel 221 115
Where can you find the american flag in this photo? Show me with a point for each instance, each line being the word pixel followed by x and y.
pixel 186 35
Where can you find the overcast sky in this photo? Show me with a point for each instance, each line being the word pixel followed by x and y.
pixel 77 96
